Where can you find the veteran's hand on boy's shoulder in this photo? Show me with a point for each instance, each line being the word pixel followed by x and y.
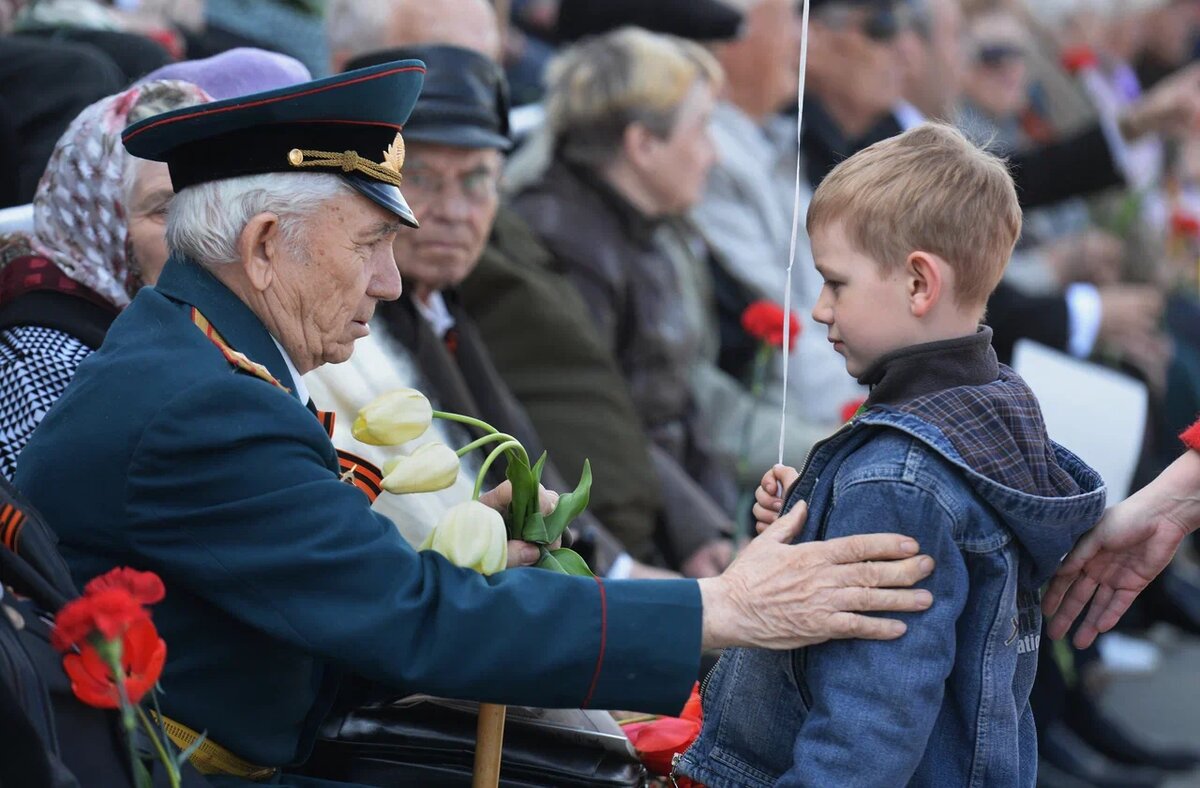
pixel 768 498
pixel 780 595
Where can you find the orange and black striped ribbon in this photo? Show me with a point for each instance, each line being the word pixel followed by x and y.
pixel 12 520
pixel 354 469
pixel 235 357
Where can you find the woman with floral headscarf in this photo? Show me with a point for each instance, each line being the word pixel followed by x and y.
pixel 98 220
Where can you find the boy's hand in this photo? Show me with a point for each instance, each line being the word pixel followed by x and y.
pixel 768 498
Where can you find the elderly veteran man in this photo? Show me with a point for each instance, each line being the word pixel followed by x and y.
pixel 184 446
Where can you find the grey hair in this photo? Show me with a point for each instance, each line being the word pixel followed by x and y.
pixel 205 220
pixel 355 27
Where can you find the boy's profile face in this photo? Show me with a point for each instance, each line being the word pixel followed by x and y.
pixel 865 309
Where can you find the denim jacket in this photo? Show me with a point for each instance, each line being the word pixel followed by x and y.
pixel 967 469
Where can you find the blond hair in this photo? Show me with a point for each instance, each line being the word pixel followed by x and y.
pixel 928 189
pixel 601 86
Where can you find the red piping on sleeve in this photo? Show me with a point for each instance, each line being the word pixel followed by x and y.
pixel 603 641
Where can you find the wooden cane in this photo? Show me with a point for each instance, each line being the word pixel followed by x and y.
pixel 489 745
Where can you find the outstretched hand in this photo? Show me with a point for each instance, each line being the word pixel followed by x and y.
pixel 1109 568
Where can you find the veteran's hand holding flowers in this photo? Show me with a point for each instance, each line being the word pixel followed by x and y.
pixel 470 534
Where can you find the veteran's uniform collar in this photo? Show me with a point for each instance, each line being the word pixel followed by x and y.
pixel 189 282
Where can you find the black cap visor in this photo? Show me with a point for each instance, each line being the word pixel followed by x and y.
pixel 385 196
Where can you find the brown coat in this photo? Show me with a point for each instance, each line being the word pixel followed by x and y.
pixel 546 347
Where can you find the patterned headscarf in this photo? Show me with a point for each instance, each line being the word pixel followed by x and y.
pixel 79 219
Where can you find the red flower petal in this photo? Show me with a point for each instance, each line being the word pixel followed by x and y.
pixel 143 654
pixel 764 321
pixel 90 679
pixel 146 587
pixel 107 613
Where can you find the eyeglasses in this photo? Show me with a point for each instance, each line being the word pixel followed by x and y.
pixel 993 55
pixel 478 186
pixel 882 21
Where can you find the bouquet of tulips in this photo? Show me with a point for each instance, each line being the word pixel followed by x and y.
pixel 471 534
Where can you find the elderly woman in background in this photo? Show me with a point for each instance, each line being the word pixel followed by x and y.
pixel 98 224
pixel 628 116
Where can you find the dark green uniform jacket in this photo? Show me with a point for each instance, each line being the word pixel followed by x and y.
pixel 279 577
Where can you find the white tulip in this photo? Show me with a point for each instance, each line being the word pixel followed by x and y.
pixel 393 418
pixel 432 467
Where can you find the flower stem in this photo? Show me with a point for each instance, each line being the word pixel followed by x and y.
pixel 486 439
pixel 110 652
pixel 483 425
pixel 155 733
pixel 496 452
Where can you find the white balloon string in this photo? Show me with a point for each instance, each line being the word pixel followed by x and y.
pixel 787 293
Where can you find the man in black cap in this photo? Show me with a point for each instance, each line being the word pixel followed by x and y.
pixel 186 447
pixel 698 20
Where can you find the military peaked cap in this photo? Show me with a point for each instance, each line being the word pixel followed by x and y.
pixel 349 125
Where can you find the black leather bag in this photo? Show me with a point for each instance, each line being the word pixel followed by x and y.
pixel 426 741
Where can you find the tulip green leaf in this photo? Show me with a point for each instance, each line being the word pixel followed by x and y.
pixel 538 467
pixel 535 529
pixel 571 562
pixel 570 505
pixel 524 492
pixel 548 561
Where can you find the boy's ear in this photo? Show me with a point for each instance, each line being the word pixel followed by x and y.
pixel 926 280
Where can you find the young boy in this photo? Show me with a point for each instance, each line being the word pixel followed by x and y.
pixel 911 235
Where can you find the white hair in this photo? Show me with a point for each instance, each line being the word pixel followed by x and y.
pixel 205 220
pixel 355 27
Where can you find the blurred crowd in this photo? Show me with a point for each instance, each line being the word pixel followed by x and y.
pixel 588 253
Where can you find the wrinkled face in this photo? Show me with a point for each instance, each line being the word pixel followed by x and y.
pixel 865 70
pixel 866 311
pixel 453 192
pixel 146 213
pixel 331 278
pixel 677 166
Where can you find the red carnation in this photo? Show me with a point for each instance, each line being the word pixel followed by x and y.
pixel 145 587
pixel 764 321
pixel 107 613
pixel 1079 58
pixel 1184 223
pixel 143 654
